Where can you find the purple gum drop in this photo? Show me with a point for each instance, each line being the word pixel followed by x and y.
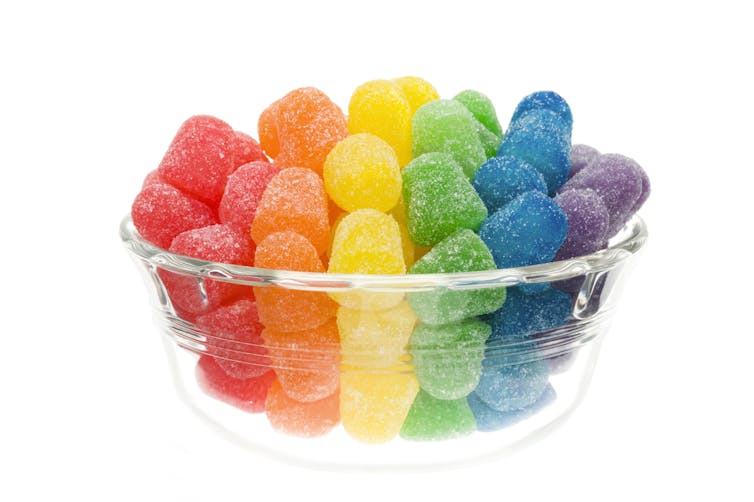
pixel 581 156
pixel 587 222
pixel 617 180
pixel 645 190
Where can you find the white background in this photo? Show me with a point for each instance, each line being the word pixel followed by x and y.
pixel 91 94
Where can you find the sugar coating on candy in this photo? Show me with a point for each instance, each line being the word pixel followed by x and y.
pixel 482 108
pixel 485 119
pixel 439 199
pixel 618 180
pixel 538 138
pixel 418 91
pixel 381 108
pixel 362 171
pixel 526 314
pixel 306 125
pixel 546 100
pixel 510 380
pixel 489 420
pixel 588 221
pixel 367 242
pixel 490 142
pixel 215 243
pixel 200 158
pixel 294 200
pixel 527 231
pixel 446 126
pixel 432 419
pixel 462 251
pixel 267 126
pixel 502 179
pixel 243 192
pixel 152 178
pixel 448 359
pixel 234 338
pixel 160 212
pixel 645 190
pixel 309 419
pixel 307 362
pixel 246 149
pixel 283 309
pixel 375 339
pixel 409 250
pixel 581 156
pixel 247 394
pixel 374 404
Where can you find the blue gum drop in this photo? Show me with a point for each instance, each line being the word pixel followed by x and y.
pixel 527 231
pixel 546 100
pixel 489 420
pixel 513 376
pixel 540 138
pixel 501 179
pixel 524 314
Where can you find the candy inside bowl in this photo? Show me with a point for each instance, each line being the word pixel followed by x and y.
pixel 425 395
pixel 405 287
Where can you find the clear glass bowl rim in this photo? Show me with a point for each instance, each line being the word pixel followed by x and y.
pixel 623 245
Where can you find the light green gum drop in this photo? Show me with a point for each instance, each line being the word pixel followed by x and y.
pixel 447 126
pixel 482 109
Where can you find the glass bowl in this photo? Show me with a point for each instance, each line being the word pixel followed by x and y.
pixel 383 371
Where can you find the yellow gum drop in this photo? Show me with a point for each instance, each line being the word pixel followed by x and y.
pixel 381 108
pixel 374 404
pixel 362 171
pixel 399 213
pixel 367 242
pixel 375 339
pixel 417 90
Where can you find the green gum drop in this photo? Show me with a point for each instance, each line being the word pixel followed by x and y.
pixel 447 126
pixel 439 199
pixel 463 251
pixel 431 419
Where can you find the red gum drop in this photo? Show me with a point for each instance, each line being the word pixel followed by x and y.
pixel 160 212
pixel 200 158
pixel 152 178
pixel 244 192
pixel 234 338
pixel 246 150
pixel 248 394
pixel 192 296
